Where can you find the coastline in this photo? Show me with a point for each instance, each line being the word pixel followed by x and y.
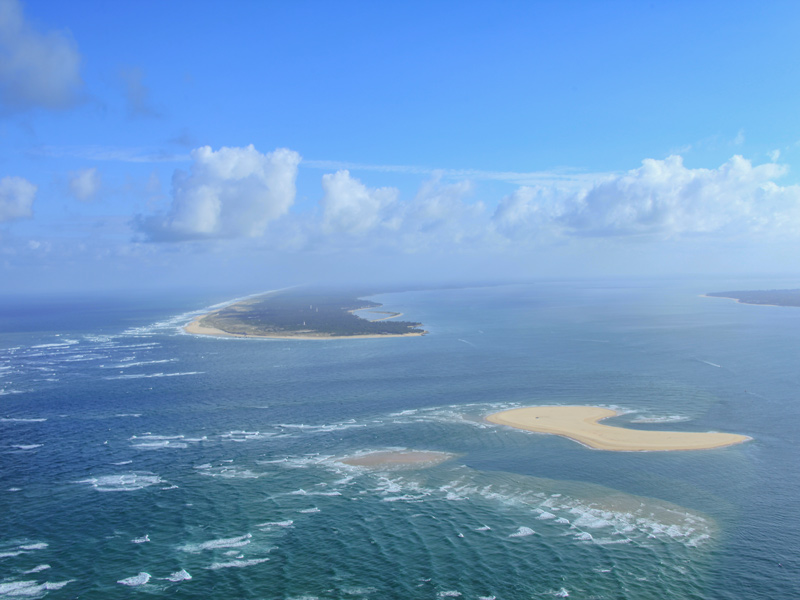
pixel 738 301
pixel 581 424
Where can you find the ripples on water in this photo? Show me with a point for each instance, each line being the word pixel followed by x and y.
pixel 173 465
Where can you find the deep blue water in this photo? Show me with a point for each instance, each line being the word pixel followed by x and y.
pixel 136 459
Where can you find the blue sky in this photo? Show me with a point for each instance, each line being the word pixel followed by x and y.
pixel 248 145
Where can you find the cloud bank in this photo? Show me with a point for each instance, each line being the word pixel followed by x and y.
pixel 36 69
pixel 237 192
pixel 230 193
pixel 663 199
pixel 16 198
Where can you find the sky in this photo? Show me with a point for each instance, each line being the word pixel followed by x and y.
pixel 250 145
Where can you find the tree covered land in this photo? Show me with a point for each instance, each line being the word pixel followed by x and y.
pixel 306 312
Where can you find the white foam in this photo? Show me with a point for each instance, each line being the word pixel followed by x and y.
pixel 562 521
pixel 140 579
pixel 29 588
pixel 20 420
pixel 38 569
pixel 14 489
pixel 26 446
pixel 584 536
pixel 592 519
pixel 661 419
pixel 158 445
pixel 36 546
pixel 141 540
pixel 287 523
pixel 126 482
pixel 63 344
pixel 310 510
pixel 141 363
pixel 229 473
pixel 449 593
pixel 523 532
pixel 544 516
pixel 562 593
pixel 151 375
pixel 181 575
pixel 234 542
pixel 237 564
pixel 483 528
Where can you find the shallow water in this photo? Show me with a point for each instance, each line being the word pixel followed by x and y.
pixel 138 458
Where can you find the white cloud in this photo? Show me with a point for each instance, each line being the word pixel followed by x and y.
pixel 230 193
pixel 16 198
pixel 665 198
pixel 528 212
pixel 350 207
pixel 37 69
pixel 84 184
pixel 437 216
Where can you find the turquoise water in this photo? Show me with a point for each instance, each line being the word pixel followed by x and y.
pixel 137 460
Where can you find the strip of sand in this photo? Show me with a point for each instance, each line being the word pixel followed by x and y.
pixel 398 458
pixel 580 423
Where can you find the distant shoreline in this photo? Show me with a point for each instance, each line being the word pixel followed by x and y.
pixel 772 297
pixel 581 424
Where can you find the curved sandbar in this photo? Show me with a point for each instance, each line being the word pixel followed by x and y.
pixel 580 423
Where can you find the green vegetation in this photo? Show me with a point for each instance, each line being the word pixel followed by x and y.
pixel 773 297
pixel 304 312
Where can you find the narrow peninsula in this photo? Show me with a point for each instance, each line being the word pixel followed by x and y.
pixel 762 297
pixel 303 314
pixel 580 423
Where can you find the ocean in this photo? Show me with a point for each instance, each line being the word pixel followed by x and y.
pixel 137 460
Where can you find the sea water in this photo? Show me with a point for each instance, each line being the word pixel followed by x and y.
pixel 136 459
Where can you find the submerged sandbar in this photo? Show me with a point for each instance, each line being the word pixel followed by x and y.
pixel 580 423
pixel 398 458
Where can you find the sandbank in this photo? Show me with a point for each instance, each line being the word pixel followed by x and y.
pixel 580 423
pixel 397 458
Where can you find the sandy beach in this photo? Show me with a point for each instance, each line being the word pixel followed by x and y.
pixel 398 458
pixel 581 423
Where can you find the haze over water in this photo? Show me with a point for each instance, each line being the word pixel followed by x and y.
pixel 138 459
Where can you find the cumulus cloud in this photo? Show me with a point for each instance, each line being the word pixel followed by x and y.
pixel 84 184
pixel 37 69
pixel 530 212
pixel 230 193
pixel 377 217
pixel 662 198
pixel 666 198
pixel 349 206
pixel 16 198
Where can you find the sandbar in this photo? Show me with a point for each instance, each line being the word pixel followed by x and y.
pixel 580 423
pixel 397 458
